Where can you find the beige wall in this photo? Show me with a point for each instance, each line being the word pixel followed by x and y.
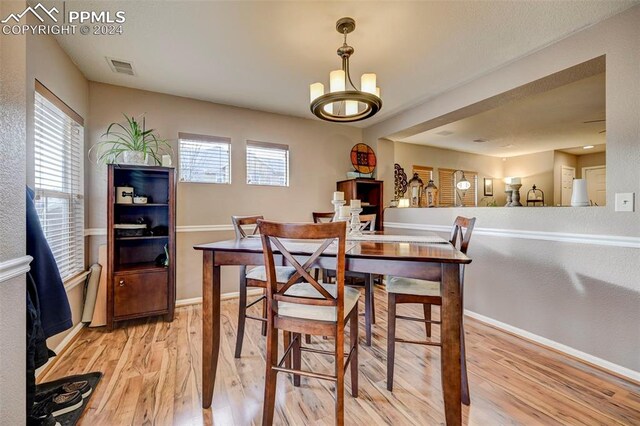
pixel 319 156
pixel 557 290
pixel 13 124
pixel 49 64
pixel 561 159
pixel 408 155
pixel 590 160
pixel 532 169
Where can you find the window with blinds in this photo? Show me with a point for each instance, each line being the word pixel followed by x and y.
pixel 59 184
pixel 267 164
pixel 447 193
pixel 204 159
pixel 425 173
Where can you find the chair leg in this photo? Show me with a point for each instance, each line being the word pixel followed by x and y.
pixel 270 377
pixel 367 307
pixel 373 300
pixel 297 357
pixel 339 373
pixel 427 317
pixel 353 343
pixel 466 396
pixel 242 314
pixel 264 313
pixel 391 340
pixel 286 341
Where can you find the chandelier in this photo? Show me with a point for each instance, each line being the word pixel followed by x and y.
pixel 344 104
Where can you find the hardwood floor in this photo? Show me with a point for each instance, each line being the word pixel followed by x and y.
pixel 152 376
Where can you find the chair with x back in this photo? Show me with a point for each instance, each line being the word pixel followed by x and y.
pixel 308 307
pixel 255 277
pixel 427 293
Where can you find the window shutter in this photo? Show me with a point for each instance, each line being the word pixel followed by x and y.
pixel 267 164
pixel 204 159
pixel 59 183
pixel 425 173
pixel 446 188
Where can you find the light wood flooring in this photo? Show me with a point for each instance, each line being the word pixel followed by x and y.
pixel 153 376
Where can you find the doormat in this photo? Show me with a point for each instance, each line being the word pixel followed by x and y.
pixel 71 418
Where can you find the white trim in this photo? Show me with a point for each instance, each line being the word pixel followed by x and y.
pixel 595 239
pixel 543 341
pixel 204 228
pixel 71 283
pixel 61 347
pixel 224 296
pixel 88 232
pixel 14 267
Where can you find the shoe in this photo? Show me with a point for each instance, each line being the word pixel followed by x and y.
pixel 59 404
pixel 81 386
pixel 41 416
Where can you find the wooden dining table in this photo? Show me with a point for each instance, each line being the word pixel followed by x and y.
pixel 432 262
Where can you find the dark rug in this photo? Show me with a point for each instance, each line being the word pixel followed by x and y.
pixel 70 419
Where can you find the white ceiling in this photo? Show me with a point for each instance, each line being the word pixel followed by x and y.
pixel 263 55
pixel 543 122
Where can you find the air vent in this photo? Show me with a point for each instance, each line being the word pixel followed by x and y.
pixel 121 67
pixel 444 133
pixel 480 140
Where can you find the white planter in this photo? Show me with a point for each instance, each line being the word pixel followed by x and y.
pixel 135 157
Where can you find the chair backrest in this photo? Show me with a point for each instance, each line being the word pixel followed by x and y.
pixel 240 221
pixel 322 217
pixel 272 234
pixel 368 222
pixel 461 233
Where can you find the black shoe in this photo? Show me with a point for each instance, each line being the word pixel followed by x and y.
pixel 81 386
pixel 41 416
pixel 59 404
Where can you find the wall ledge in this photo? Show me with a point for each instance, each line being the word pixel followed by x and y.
pixel 594 239
pixel 14 267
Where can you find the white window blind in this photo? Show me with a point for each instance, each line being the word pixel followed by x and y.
pixel 204 159
pixel 267 164
pixel 59 184
pixel 448 196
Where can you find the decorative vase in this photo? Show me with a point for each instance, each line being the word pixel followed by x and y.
pixel 135 157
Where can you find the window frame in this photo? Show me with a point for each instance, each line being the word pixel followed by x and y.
pixel 471 177
pixel 272 146
pixel 71 178
pixel 193 137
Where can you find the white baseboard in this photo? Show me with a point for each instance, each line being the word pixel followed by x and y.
pixel 60 348
pixel 224 296
pixel 615 369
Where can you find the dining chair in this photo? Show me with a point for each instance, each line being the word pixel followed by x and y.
pixel 255 277
pixel 309 307
pixel 427 293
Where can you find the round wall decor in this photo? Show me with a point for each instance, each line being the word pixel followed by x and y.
pixel 363 158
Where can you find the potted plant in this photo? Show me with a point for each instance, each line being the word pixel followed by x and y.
pixel 129 143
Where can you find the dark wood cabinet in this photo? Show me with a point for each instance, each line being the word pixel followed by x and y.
pixel 138 282
pixel 370 192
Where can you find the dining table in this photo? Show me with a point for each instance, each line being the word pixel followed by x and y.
pixel 408 257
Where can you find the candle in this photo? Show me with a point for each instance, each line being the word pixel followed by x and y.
pixel 355 204
pixel 338 196
pixel 344 211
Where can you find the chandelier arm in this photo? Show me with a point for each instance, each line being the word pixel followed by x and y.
pixel 347 72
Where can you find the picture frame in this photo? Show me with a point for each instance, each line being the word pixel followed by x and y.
pixel 488 187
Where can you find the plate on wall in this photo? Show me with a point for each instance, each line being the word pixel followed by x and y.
pixel 363 158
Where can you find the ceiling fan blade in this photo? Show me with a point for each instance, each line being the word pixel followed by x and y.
pixel 594 121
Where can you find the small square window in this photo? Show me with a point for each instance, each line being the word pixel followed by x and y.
pixel 267 164
pixel 204 159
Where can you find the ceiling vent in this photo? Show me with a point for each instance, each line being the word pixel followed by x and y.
pixel 121 67
pixel 444 133
pixel 480 140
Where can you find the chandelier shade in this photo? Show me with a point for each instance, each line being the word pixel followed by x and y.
pixel 344 102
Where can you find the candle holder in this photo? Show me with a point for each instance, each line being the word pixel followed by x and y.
pixel 355 225
pixel 336 208
pixel 515 195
